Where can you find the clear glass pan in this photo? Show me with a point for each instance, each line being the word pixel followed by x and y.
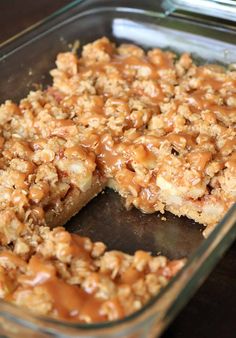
pixel 26 61
pixel 217 8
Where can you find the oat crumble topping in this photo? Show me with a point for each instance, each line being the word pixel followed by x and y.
pixel 158 129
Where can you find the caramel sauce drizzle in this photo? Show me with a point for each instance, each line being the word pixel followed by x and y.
pixel 70 302
pixel 115 158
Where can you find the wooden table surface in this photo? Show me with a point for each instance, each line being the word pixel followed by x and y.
pixel 212 311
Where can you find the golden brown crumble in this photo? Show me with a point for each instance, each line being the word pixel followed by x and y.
pixel 158 129
pixel 99 285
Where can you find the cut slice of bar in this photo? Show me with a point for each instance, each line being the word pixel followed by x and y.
pixel 75 200
pixel 43 181
pixel 68 277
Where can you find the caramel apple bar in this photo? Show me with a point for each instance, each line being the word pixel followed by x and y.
pixel 155 127
pixel 166 126
pixel 68 277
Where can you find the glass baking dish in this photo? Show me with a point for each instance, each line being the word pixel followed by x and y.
pixel 25 62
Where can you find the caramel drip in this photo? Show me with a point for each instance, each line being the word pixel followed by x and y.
pixel 107 155
pixel 229 146
pixel 231 162
pixel 131 275
pixel 199 159
pixel 134 62
pixel 208 79
pixel 77 248
pixel 12 259
pixel 70 302
pixel 182 140
pixel 199 101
